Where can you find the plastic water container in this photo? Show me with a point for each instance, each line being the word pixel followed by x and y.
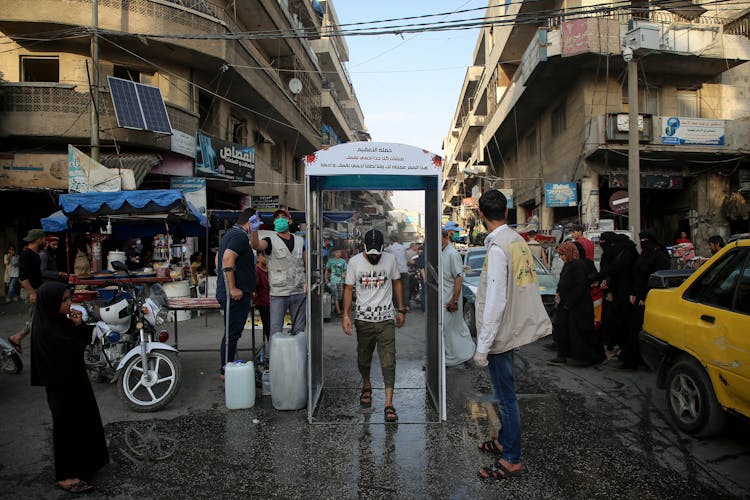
pixel 289 371
pixel 239 385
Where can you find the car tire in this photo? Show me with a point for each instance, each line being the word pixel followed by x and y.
pixel 691 400
pixel 470 318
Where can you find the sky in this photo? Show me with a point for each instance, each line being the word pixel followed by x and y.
pixel 408 87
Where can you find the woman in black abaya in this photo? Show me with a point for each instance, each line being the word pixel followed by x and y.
pixel 577 338
pixel 57 345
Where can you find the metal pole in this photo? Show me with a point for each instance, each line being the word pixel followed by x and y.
pixel 634 168
pixel 95 93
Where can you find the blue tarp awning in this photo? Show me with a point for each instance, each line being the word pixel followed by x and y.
pixel 55 223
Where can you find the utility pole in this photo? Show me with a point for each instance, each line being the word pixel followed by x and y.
pixel 634 167
pixel 95 90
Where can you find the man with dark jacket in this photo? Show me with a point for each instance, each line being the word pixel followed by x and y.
pixel 30 276
pixel 48 261
pixel 654 257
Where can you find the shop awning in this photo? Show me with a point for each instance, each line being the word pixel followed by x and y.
pixel 140 163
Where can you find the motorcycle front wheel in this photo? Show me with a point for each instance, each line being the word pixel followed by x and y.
pixel 11 363
pixel 154 389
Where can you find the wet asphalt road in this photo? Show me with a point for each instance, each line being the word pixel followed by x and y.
pixel 587 433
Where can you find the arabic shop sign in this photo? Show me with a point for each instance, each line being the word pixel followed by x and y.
pixel 225 160
pixel 260 201
pixel 676 130
pixel 561 194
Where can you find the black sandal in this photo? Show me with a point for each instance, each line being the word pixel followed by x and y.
pixel 78 487
pixel 498 471
pixel 491 447
pixel 390 414
pixel 365 397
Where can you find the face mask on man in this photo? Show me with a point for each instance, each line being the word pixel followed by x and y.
pixel 281 225
pixel 455 238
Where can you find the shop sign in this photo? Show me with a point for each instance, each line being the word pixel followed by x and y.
pixel 561 194
pixel 651 180
pixel 677 130
pixel 194 189
pixel 225 160
pixel 508 192
pixel 259 202
pixel 182 143
pixel 40 171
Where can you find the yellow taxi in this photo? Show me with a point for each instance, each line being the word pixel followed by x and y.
pixel 697 338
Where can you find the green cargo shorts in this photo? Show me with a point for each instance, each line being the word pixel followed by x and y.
pixel 383 335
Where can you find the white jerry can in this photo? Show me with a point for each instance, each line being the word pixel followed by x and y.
pixel 289 371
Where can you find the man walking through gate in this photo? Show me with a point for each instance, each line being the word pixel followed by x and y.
pixel 376 278
pixel 236 263
pixel 510 314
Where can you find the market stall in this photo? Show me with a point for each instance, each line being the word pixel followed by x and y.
pixel 126 216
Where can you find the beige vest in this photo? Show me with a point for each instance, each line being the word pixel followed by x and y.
pixel 524 320
pixel 286 271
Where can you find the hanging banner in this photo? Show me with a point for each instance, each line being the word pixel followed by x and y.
pixel 194 189
pixel 561 194
pixel 86 175
pixel 226 160
pixel 677 130
pixel 371 158
pixel 182 143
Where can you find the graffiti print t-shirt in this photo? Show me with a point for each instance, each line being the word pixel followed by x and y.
pixel 374 286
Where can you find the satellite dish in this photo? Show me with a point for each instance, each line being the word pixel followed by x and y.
pixel 295 86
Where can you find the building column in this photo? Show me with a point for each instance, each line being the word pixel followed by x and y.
pixel 546 216
pixel 706 218
pixel 520 214
pixel 590 200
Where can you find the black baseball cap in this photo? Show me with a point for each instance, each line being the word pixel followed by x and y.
pixel 373 242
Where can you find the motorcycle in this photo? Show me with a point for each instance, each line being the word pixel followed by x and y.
pixel 10 361
pixel 127 349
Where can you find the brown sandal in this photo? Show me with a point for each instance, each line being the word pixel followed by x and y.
pixel 390 414
pixel 365 397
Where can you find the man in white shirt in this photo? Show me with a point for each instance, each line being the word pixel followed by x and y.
pixel 377 279
pixel 399 251
pixel 509 314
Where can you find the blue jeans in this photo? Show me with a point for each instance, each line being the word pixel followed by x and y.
pixel 238 311
pixel 509 435
pixel 12 287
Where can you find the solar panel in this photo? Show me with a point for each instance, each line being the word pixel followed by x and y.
pixel 154 110
pixel 139 106
pixel 125 99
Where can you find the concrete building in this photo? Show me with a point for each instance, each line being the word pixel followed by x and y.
pixel 543 112
pixel 242 73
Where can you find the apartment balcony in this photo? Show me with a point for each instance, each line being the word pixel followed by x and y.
pixel 264 88
pixel 668 137
pixel 334 115
pixel 556 57
pixel 58 114
pixel 332 66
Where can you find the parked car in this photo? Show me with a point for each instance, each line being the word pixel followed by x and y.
pixel 696 336
pixel 473 263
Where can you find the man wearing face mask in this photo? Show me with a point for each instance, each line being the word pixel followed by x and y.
pixel 285 253
pixel 376 278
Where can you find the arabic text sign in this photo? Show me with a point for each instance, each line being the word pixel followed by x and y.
pixel 265 201
pixel 373 158
pixel 218 158
pixel 676 130
pixel 561 194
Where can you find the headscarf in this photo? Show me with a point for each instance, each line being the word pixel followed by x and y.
pixel 569 251
pixel 581 250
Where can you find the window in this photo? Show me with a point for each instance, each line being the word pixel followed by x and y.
pixel 648 100
pixel 276 157
pixel 133 74
pixel 717 286
pixel 558 120
pixel 742 303
pixel 687 103
pixel 40 69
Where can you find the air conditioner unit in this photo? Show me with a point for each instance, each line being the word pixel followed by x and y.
pixel 645 36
